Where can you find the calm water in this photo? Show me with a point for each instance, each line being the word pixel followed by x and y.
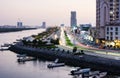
pixel 10 68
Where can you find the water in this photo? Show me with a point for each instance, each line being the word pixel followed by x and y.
pixel 10 68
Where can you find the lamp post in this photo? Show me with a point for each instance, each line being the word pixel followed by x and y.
pixel 74 38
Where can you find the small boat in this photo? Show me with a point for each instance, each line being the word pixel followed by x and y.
pixel 96 74
pixel 56 65
pixel 75 70
pixel 21 55
pixel 102 74
pixel 26 59
pixel 6 45
pixel 81 71
pixel 18 39
pixel 92 74
pixel 2 49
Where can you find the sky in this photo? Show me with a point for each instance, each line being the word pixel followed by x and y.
pixel 53 12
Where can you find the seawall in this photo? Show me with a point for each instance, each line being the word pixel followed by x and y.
pixel 94 62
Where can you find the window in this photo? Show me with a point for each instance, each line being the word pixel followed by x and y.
pixel 111 38
pixel 116 33
pixel 117 13
pixel 107 28
pixel 111 16
pixel 111 0
pixel 111 28
pixel 111 8
pixel 117 16
pixel 117 5
pixel 107 32
pixel 116 38
pixel 116 29
pixel 111 4
pixel 111 20
pixel 117 0
pixel 107 38
pixel 111 33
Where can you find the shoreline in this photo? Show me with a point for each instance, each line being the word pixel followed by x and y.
pixel 5 30
pixel 94 62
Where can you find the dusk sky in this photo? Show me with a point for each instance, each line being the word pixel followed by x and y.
pixel 53 12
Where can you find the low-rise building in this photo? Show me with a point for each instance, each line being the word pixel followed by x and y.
pixel 112 36
pixel 85 27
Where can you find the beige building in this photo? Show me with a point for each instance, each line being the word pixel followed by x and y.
pixel 108 20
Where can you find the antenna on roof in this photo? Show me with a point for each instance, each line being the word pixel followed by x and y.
pixel 19 20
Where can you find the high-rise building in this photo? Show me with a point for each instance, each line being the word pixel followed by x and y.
pixel 43 24
pixel 19 24
pixel 73 21
pixel 108 19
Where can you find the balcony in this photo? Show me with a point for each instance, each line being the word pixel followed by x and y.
pixel 113 23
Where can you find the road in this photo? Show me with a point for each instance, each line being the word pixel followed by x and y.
pixel 94 52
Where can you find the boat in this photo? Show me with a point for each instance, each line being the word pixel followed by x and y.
pixel 2 49
pixel 81 71
pixel 18 39
pixel 26 59
pixel 95 74
pixel 21 55
pixel 6 45
pixel 92 74
pixel 75 70
pixel 56 65
pixel 102 74
pixel 98 75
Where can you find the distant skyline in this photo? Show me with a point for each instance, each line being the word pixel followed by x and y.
pixel 53 12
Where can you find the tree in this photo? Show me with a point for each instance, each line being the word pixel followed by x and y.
pixel 74 49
